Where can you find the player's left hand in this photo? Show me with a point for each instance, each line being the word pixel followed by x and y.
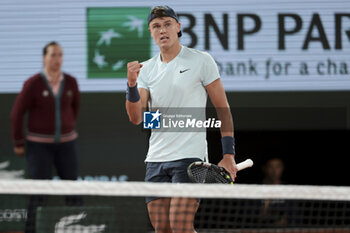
pixel 228 162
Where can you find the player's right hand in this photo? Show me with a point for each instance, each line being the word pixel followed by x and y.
pixel 19 150
pixel 228 162
pixel 134 68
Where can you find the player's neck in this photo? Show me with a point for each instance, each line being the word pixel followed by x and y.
pixel 168 54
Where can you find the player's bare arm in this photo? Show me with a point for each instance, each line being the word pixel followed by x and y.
pixel 218 98
pixel 137 98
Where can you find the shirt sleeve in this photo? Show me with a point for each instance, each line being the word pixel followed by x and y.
pixel 209 71
pixel 142 79
pixel 21 105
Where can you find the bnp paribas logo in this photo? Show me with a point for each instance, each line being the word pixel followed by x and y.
pixel 116 36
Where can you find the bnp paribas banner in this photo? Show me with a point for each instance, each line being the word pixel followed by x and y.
pixel 263 45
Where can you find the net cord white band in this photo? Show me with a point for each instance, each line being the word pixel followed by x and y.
pixel 239 191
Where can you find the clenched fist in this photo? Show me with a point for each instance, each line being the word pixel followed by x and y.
pixel 134 68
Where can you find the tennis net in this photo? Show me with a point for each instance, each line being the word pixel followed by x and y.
pixel 118 207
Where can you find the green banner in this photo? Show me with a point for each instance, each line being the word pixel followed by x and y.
pixel 116 36
pixel 13 208
pixel 13 213
pixel 75 219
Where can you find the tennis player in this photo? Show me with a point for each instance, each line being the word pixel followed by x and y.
pixel 178 77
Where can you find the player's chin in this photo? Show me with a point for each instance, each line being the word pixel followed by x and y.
pixel 163 46
pixel 166 43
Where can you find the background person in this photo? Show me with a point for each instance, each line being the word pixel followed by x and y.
pixel 52 100
pixel 274 212
pixel 273 170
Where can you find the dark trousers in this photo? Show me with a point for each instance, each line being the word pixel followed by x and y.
pixel 41 159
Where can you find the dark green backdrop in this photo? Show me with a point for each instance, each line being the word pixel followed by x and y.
pixel 308 126
pixel 308 130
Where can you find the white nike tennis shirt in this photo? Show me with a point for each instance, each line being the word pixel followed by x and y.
pixel 178 84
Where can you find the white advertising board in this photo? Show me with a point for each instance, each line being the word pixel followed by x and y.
pixel 260 45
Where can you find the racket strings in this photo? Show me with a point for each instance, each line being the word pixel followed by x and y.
pixel 199 173
pixel 208 175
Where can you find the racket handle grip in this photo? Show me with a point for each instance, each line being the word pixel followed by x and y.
pixel 245 164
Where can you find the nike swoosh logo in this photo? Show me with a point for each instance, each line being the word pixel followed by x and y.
pixel 182 71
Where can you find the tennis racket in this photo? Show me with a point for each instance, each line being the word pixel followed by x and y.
pixel 202 172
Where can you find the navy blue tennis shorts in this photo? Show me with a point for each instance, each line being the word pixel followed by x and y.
pixel 168 172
